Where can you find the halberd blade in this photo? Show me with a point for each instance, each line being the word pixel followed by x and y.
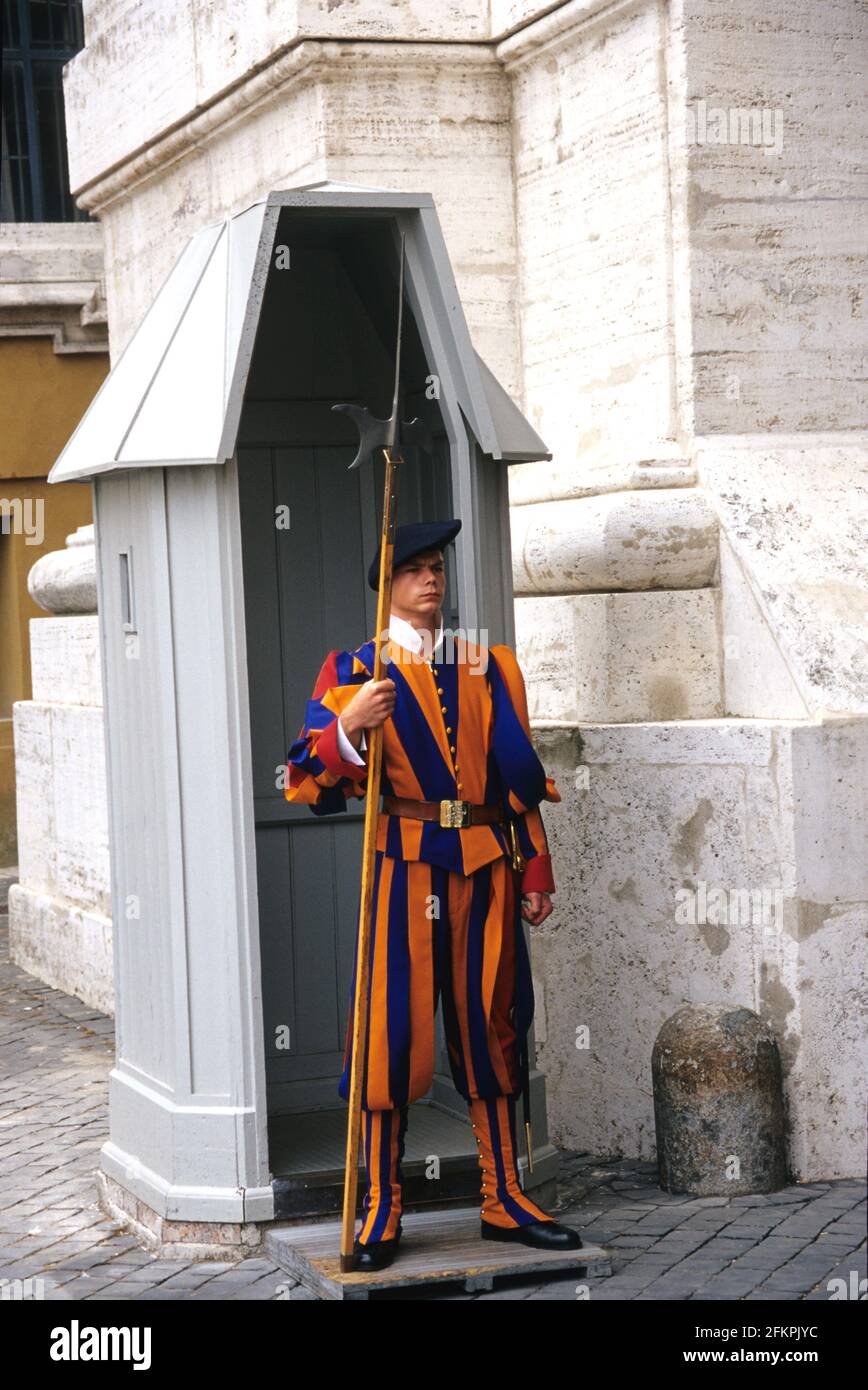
pixel 373 433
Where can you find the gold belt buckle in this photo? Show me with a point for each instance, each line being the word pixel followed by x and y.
pixel 454 815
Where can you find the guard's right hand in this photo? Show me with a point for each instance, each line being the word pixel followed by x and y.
pixel 371 707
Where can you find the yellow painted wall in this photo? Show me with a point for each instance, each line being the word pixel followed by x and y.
pixel 43 395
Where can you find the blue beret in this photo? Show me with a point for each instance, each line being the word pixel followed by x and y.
pixel 410 539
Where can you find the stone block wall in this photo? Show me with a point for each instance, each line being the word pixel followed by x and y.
pixel 693 866
pixel 60 926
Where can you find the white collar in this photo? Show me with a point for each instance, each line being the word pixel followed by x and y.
pixel 406 635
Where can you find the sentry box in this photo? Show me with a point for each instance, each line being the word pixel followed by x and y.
pixel 232 546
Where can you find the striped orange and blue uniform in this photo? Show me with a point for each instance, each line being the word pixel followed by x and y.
pixel 473 716
pixel 447 904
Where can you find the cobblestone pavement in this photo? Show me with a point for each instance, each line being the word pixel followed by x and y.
pixel 56 1056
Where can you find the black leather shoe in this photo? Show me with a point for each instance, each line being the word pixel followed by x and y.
pixel 543 1235
pixel 376 1254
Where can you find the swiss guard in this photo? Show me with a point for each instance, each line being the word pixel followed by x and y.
pixel 460 844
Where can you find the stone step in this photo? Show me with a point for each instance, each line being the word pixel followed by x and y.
pixel 622 657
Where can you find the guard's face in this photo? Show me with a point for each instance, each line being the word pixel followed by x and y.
pixel 418 585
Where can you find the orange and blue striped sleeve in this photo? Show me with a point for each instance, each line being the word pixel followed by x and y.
pixel 524 777
pixel 317 774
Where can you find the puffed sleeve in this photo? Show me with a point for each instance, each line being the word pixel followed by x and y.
pixel 523 776
pixel 318 773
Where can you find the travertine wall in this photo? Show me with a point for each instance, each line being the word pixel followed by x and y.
pixel 778 244
pixel 594 229
pixel 682 318
pixel 694 306
pixel 695 865
pixel 795 513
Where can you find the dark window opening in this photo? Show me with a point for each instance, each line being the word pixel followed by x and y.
pixel 39 37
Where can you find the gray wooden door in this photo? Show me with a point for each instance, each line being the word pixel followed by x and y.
pixel 305 593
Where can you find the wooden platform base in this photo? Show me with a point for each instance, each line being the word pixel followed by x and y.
pixel 436 1247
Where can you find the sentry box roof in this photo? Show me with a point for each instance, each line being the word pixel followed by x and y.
pixel 175 394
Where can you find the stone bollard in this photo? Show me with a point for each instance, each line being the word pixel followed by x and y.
pixel 718 1103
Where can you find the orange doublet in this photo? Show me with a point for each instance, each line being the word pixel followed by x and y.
pixel 459 730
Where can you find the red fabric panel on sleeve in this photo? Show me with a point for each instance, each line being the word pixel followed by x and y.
pixel 538 877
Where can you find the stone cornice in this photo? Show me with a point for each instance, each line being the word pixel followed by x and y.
pixel 552 28
pixel 309 61
pixel 310 58
pixel 51 284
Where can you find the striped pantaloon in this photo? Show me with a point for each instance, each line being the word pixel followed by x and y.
pixel 435 932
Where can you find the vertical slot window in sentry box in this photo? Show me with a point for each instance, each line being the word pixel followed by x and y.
pixel 128 613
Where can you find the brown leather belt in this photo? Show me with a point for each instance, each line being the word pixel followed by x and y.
pixel 450 814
